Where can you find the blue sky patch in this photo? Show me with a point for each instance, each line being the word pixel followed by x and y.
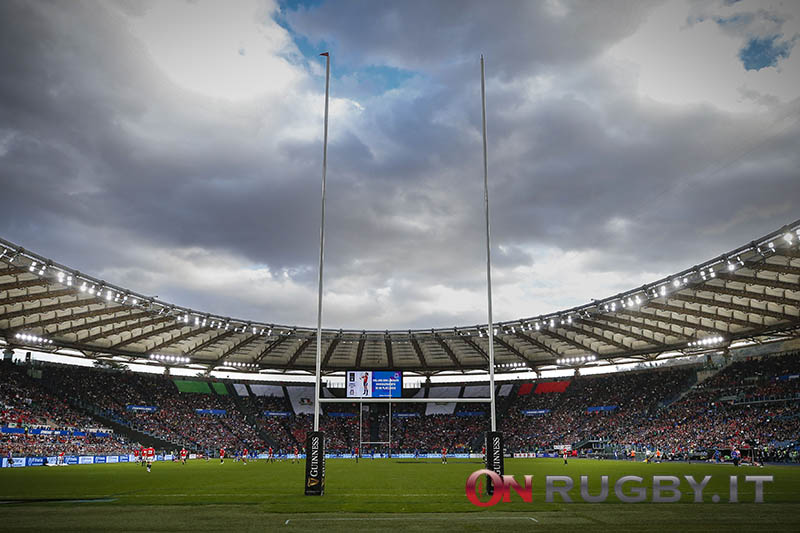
pixel 374 79
pixel 740 20
pixel 294 5
pixel 764 52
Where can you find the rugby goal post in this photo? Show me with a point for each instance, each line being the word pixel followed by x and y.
pixel 315 441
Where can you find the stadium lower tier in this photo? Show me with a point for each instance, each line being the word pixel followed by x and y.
pixel 681 411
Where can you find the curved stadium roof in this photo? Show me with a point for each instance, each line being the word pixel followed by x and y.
pixel 752 292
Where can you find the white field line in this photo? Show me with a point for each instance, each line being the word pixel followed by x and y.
pixel 273 494
pixel 379 519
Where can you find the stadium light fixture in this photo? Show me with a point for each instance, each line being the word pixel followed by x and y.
pixel 788 238
pixel 708 341
pixel 27 337
pixel 170 358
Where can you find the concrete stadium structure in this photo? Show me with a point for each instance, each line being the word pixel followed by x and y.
pixel 748 295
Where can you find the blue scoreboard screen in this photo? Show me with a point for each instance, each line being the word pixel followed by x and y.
pixel 374 384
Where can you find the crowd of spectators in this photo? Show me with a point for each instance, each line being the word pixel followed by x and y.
pixel 278 427
pixel 630 398
pixel 433 432
pixel 748 403
pixel 752 403
pixel 26 405
pixel 175 417
pixel 20 445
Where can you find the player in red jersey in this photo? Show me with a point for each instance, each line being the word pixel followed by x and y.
pixel 222 456
pixel 296 457
pixel 60 458
pixel 483 452
pixel 444 455
pixel 271 456
pixel 357 453
pixel 149 456
pixel 244 456
pixel 184 454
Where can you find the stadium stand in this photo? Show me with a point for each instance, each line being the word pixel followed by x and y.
pixel 750 403
pixel 35 422
pixel 197 418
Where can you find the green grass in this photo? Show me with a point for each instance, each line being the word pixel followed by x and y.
pixel 374 495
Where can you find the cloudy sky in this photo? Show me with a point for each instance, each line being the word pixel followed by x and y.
pixel 175 148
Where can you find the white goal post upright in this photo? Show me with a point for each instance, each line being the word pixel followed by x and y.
pixel 315 441
pixel 322 243
pixel 488 249
pixel 493 439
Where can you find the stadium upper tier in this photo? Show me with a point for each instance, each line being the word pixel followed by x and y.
pixel 752 292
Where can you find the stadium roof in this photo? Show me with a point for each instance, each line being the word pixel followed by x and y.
pixel 750 293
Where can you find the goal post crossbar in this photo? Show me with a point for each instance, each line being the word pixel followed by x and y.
pixel 405 400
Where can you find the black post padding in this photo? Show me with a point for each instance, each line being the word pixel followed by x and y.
pixel 315 464
pixel 494 457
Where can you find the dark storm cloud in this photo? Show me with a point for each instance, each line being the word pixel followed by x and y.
pixel 114 169
pixel 98 135
pixel 422 35
pixel 587 166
